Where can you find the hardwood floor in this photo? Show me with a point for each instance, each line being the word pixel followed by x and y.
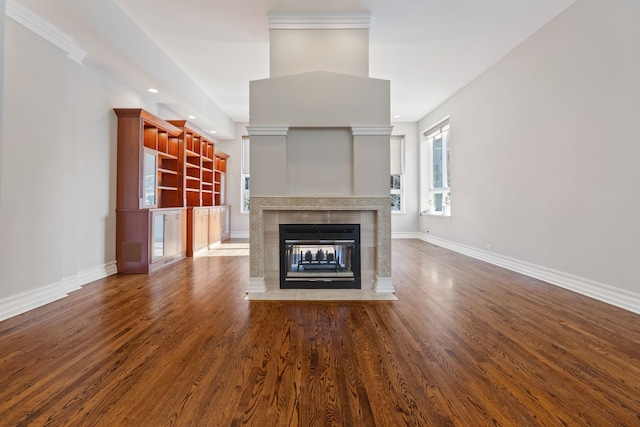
pixel 466 344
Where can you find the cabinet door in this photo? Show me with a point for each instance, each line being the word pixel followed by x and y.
pixel 158 235
pixel 173 233
pixel 214 226
pixel 225 231
pixel 201 229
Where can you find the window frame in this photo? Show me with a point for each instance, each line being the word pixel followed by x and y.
pixel 443 206
pixel 399 192
pixel 245 179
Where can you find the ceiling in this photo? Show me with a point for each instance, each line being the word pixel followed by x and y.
pixel 428 49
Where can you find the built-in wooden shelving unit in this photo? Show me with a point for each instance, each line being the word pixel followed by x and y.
pixel 171 188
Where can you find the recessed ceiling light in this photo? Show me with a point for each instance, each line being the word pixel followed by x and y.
pixel 213 131
pixel 192 117
pixel 397 116
pixel 153 90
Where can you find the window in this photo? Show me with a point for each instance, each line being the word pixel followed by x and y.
pixel 437 145
pixel 244 185
pixel 397 169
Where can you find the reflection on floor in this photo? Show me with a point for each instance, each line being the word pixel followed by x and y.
pixel 229 249
pixel 240 247
pixel 320 295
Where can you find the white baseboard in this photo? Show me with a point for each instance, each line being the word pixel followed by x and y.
pixel 257 284
pixel 405 235
pixel 599 291
pixel 383 285
pixel 239 234
pixel 23 302
pixel 93 274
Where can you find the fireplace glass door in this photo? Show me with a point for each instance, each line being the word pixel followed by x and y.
pixel 327 257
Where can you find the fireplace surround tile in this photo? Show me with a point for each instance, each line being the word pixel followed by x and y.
pixel 372 213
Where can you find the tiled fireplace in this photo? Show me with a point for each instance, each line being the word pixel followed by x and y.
pixel 319 135
pixel 372 214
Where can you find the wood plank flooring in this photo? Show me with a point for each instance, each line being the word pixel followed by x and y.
pixel 466 344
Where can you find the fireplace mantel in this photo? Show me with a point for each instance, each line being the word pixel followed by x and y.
pixel 321 210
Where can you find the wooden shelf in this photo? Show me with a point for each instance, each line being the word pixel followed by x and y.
pixel 168 171
pixel 189 176
pixel 149 180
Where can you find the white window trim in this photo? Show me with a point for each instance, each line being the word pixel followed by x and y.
pixel 439 128
pixel 243 173
pixel 401 192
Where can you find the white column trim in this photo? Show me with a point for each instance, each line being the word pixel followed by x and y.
pixel 268 130
pixel 21 303
pixel 318 21
pixel 383 285
pixel 372 130
pixel 44 29
pixel 257 284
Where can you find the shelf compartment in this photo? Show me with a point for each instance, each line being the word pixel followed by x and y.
pixel 208 150
pixel 170 198
pixel 167 181
pixel 192 185
pixel 197 144
pixel 192 173
pixel 188 141
pixel 150 136
pixel 168 163
pixel 193 198
pixel 163 141
pixel 207 199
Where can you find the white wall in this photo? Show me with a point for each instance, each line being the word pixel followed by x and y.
pixel 545 152
pixel 57 205
pixel 296 51
pixel 320 99
pixel 319 162
pixel 239 221
pixel 2 20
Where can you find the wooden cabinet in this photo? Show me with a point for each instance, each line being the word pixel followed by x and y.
pixel 204 183
pixel 199 163
pixel 149 157
pixel 218 225
pixel 198 224
pixel 214 227
pixel 150 173
pixel 168 236
pixel 169 178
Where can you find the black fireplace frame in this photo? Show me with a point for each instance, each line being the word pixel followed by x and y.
pixel 320 233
